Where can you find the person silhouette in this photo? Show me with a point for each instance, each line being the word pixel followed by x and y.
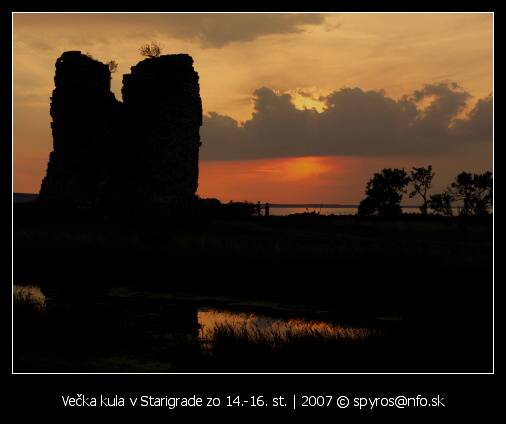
pixel 266 209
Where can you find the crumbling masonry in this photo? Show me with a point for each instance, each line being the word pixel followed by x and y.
pixel 141 153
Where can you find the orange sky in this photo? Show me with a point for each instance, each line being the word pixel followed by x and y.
pixel 307 179
pixel 306 56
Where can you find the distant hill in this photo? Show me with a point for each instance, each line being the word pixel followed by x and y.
pixel 24 197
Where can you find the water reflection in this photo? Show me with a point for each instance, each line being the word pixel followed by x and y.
pixel 79 330
pixel 212 321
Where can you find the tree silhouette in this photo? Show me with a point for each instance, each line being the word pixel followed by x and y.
pixel 475 191
pixel 384 193
pixel 421 180
pixel 441 204
pixel 150 50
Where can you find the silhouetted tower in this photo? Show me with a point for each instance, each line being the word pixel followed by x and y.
pixel 163 112
pixel 82 107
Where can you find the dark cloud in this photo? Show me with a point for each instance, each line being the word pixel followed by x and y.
pixel 354 122
pixel 210 30
pixel 447 101
pixel 219 30
pixel 479 123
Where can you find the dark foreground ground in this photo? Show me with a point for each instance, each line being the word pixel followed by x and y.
pixel 123 296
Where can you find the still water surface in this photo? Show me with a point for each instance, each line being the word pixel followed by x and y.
pixel 326 210
pixel 213 322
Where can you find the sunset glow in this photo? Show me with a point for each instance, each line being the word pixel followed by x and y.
pixel 276 180
pixel 287 64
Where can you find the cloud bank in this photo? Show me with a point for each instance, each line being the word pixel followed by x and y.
pixel 210 30
pixel 355 122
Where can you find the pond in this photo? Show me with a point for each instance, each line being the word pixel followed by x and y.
pixel 145 332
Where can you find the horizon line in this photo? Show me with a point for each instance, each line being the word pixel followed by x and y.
pixel 276 205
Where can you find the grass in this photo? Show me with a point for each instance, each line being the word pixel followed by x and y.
pixel 293 333
pixel 30 319
pixel 29 298
pixel 434 272
pixel 218 326
pixel 137 334
pixel 294 347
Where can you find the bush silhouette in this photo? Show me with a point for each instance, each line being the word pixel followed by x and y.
pixel 150 50
pixel 475 191
pixel 441 204
pixel 384 193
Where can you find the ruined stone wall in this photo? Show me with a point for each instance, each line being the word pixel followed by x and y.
pixel 164 111
pixel 141 153
pixel 82 110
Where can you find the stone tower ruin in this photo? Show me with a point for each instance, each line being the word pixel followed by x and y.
pixel 163 108
pixel 139 153
pixel 82 109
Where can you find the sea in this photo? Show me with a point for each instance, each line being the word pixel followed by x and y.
pixel 275 209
